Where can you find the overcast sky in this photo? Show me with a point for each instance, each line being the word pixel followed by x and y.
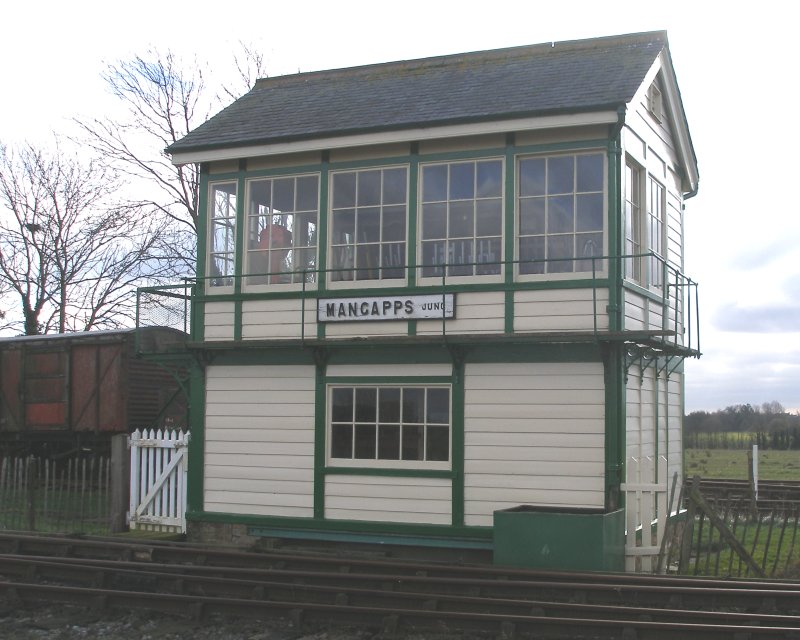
pixel 734 67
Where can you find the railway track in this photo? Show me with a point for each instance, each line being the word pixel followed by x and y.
pixel 391 595
pixel 771 493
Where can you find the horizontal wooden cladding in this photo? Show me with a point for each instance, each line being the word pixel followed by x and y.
pixel 560 309
pixel 259 440
pixel 475 313
pixel 533 434
pixel 219 318
pixel 269 319
pixel 378 499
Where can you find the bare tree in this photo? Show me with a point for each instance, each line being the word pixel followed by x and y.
pixel 68 252
pixel 163 98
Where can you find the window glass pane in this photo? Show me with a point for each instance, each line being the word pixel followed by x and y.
pixel 531 249
pixel 434 221
pixel 366 402
pixel 588 245
pixel 369 225
pixel 488 256
pixel 368 259
pixel 280 237
pixel 438 444
pixel 365 442
pixel 344 227
pixel 532 177
pixel 342 441
pixel 462 181
pixel 459 252
pixel 589 212
pixel 224 235
pixel 438 409
pixel 283 194
pixel 413 405
pixel 490 179
pixel 389 405
pixel 369 188
pixel 260 194
pixel 590 173
pixel 393 260
pixel 489 218
pixel 344 190
pixel 462 219
pixel 559 247
pixel 305 230
pixel 433 253
pixel 560 218
pixel 394 186
pixel 434 183
pixel 560 174
pixel 413 444
pixel 394 224
pixel 307 193
pixel 389 442
pixel 531 216
pixel 342 405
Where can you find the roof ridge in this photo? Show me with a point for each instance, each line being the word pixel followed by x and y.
pixel 454 59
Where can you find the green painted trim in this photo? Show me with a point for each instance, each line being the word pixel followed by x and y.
pixel 413 219
pixel 363 538
pixel 405 380
pixel 197 330
pixel 645 293
pixel 388 161
pixel 291 170
pixel 241 222
pixel 322 233
pixel 320 439
pixel 389 473
pixel 531 285
pixel 576 145
pixel 509 235
pixel 457 440
pixel 615 419
pixel 344 526
pixel 196 455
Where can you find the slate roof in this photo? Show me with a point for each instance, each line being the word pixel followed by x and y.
pixel 544 79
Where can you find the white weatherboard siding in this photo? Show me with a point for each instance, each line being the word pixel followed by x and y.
pixel 259 450
pixel 475 313
pixel 219 321
pixel 560 310
pixel 270 319
pixel 533 434
pixel 379 499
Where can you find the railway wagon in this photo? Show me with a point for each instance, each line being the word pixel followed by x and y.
pixel 65 391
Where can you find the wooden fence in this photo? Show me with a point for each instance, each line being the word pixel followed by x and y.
pixel 68 495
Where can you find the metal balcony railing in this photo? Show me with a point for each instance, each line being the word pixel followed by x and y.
pixel 663 283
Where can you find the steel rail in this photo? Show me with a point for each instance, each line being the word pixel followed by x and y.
pixel 116 576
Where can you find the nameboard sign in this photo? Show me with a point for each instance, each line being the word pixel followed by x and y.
pixel 386 308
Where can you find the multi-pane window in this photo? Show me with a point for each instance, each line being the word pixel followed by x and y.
pixel 282 230
pixel 633 223
pixel 222 253
pixel 561 205
pixel 462 218
pixel 401 423
pixel 368 230
pixel 655 231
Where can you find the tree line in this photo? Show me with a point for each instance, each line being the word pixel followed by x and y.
pixel 88 219
pixel 741 426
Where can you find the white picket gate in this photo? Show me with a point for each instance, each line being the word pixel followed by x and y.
pixel 645 512
pixel 158 480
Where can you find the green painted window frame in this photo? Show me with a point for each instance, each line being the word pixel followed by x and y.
pixel 228 280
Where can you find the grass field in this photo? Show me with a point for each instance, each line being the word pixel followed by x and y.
pixel 732 463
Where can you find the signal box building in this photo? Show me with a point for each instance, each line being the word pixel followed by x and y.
pixel 433 291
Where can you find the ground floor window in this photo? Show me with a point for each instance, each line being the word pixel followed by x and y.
pixel 389 423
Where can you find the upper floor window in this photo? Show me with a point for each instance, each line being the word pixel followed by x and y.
pixel 655 231
pixel 462 218
pixel 368 228
pixel 282 230
pixel 561 213
pixel 634 241
pixel 222 253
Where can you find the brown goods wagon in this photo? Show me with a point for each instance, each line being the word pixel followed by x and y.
pixel 68 390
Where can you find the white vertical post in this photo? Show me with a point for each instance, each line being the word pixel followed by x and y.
pixel 755 470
